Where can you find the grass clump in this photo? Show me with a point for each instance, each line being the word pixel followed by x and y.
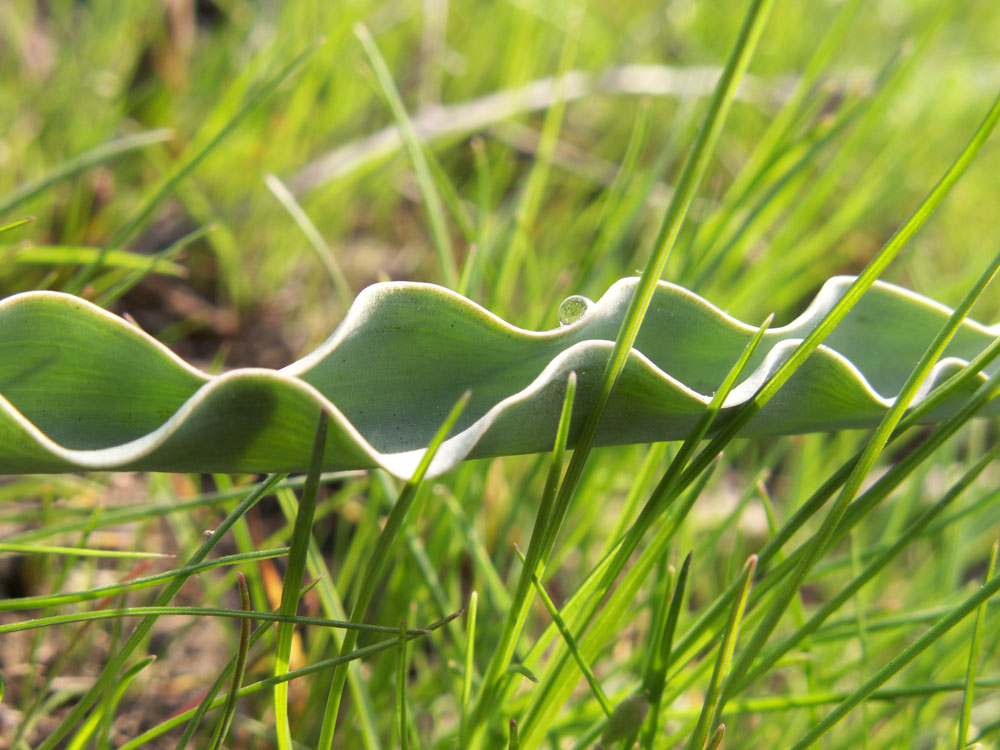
pixel 778 592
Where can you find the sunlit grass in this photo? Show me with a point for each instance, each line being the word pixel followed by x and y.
pixel 866 617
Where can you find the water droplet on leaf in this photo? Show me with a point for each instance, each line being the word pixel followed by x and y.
pixel 573 308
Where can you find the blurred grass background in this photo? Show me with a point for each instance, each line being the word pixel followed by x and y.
pixel 903 88
pixel 78 75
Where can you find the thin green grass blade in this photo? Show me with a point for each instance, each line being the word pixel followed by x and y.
pixel 558 681
pixel 81 162
pixel 637 490
pixel 298 550
pixel 666 490
pixel 156 263
pixel 923 448
pixel 30 254
pixel 687 185
pixel 964 716
pixel 204 705
pixel 779 126
pixel 239 670
pixel 950 386
pixel 31 549
pixel 614 199
pixel 859 287
pixel 595 686
pixel 748 216
pixel 402 676
pixel 431 196
pixel 791 701
pixel 915 455
pixel 656 675
pixel 100 592
pixel 145 512
pixel 795 239
pixel 112 614
pixel 538 549
pixel 517 252
pixel 373 571
pixel 15 224
pixel 586 601
pixel 470 665
pixel 496 593
pixel 332 606
pixel 712 704
pixel 91 726
pixel 892 248
pixel 323 251
pixel 452 200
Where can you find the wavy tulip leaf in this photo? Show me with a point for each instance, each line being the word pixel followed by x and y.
pixel 83 389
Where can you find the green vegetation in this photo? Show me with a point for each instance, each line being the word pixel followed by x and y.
pixel 232 176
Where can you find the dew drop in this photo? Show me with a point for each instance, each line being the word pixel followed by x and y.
pixel 573 308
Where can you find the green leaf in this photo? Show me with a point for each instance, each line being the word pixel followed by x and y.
pixel 83 389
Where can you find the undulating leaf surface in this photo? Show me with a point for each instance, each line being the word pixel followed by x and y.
pixel 83 389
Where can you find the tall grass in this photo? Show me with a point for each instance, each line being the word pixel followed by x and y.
pixel 790 592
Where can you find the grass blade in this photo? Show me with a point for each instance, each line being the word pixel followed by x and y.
pixel 687 185
pixel 402 673
pixel 376 563
pixel 81 162
pixel 16 224
pixel 333 607
pixel 516 253
pixel 239 670
pixel 151 266
pixel 667 489
pixel 470 649
pixel 100 592
pixel 974 649
pixel 863 282
pixel 30 549
pixel 432 199
pixel 297 552
pixel 82 737
pixel 712 705
pixel 595 686
pixel 111 614
pixel 538 550
pixel 323 250
pixel 660 663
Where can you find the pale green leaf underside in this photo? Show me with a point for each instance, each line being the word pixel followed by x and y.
pixel 83 389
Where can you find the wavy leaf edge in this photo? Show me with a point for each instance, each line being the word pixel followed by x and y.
pixel 367 318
